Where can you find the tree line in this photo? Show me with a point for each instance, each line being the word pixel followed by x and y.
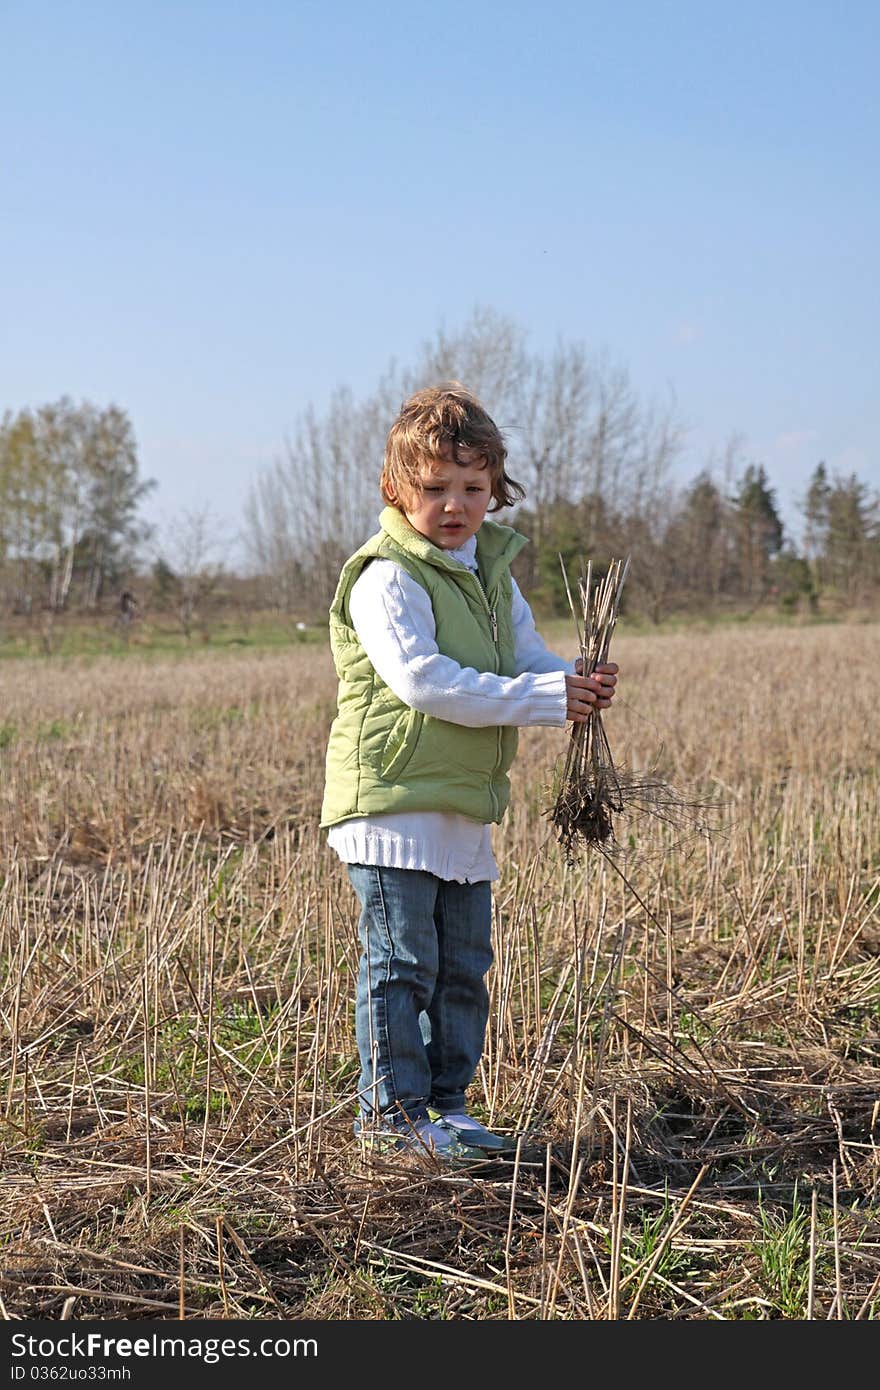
pixel 597 462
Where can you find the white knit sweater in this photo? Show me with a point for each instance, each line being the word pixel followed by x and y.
pixel 392 616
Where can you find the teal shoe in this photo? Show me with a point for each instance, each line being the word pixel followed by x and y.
pixel 471 1133
pixel 427 1140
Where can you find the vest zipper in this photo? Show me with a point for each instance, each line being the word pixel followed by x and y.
pixel 493 619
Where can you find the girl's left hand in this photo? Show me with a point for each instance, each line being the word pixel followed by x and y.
pixel 602 680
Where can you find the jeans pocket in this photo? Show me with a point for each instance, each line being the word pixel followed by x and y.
pixel 401 744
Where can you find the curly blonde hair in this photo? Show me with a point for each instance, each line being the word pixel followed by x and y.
pixel 428 421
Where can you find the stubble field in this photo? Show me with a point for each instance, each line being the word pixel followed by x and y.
pixel 687 1034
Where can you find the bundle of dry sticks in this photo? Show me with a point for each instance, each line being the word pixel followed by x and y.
pixel 591 790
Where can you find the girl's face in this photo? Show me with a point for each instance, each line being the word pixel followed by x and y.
pixel 448 502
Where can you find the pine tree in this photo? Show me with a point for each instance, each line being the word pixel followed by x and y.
pixel 815 510
pixel 852 539
pixel 758 529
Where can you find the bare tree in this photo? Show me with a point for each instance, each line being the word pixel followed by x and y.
pixel 576 431
pixel 188 565
pixel 550 438
pixel 316 503
pixel 487 355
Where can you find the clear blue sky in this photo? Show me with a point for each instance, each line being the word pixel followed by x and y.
pixel 212 214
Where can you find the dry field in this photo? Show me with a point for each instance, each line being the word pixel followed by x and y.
pixel 688 1036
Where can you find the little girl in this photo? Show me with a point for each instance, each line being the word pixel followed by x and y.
pixel 438 662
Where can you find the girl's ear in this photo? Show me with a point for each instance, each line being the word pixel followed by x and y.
pixel 399 497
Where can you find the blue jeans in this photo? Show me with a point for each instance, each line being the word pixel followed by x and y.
pixel 422 1002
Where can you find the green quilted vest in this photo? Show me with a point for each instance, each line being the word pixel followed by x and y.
pixel 382 755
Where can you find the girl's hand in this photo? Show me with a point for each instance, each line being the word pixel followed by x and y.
pixel 586 694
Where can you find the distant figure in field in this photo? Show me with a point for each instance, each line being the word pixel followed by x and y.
pixel 127 607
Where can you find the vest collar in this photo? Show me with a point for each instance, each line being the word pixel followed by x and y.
pixel 496 544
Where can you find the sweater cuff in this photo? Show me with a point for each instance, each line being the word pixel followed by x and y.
pixel 549 700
